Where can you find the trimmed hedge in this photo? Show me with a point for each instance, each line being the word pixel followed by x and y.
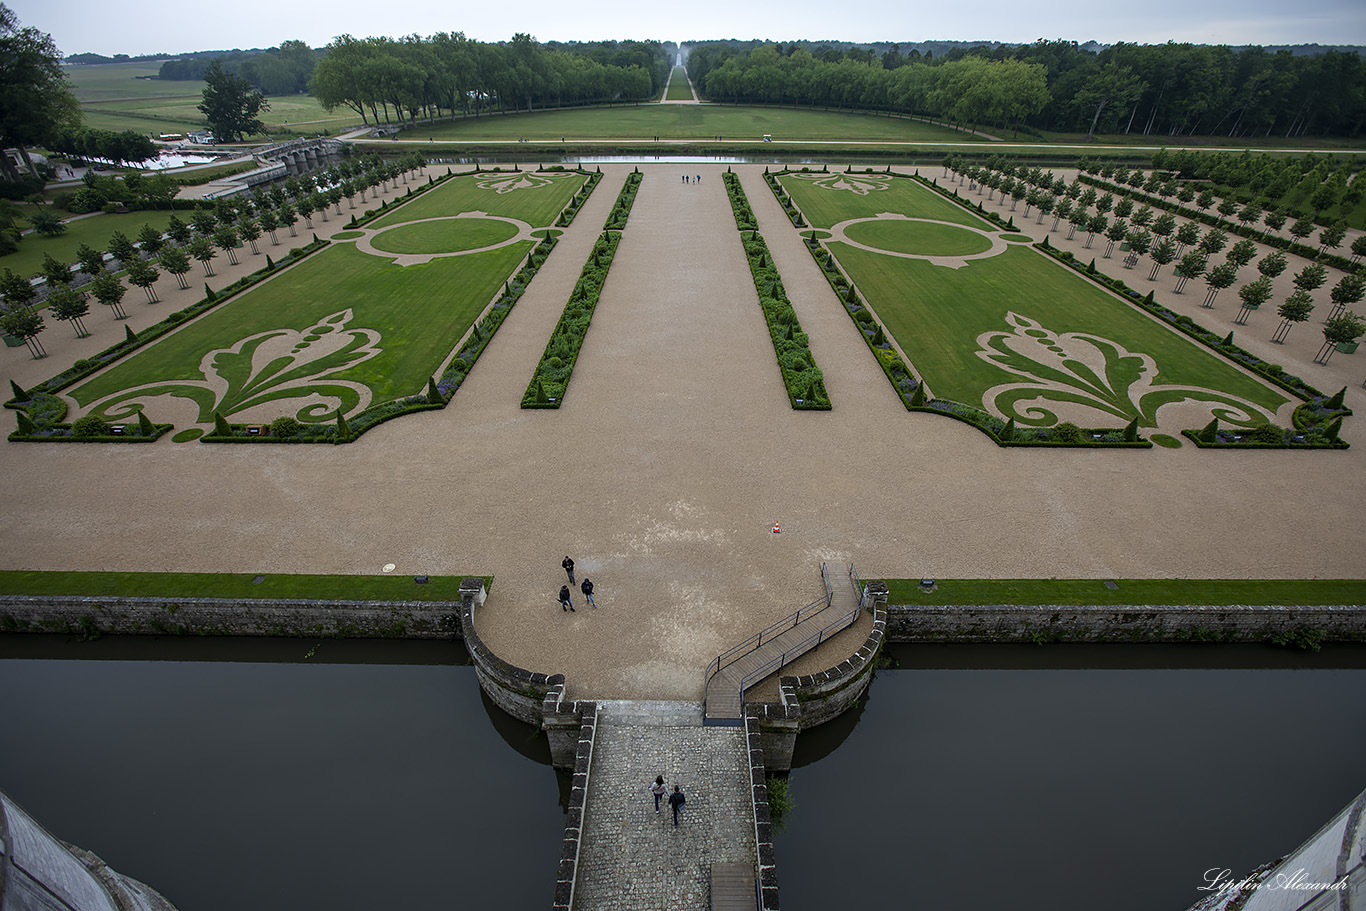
pixel 556 366
pixel 804 381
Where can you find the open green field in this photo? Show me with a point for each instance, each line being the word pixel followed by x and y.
pixel 689 121
pixel 1020 335
pixel 925 238
pixel 341 331
pixel 114 98
pixel 679 90
pixel 93 231
pixel 444 236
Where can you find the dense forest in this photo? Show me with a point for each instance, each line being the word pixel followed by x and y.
pixel 1162 90
pixel 380 78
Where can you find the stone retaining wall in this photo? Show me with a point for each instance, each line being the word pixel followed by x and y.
pixel 89 616
pixel 766 863
pixel 587 713
pixel 814 699
pixel 1093 623
pixel 517 691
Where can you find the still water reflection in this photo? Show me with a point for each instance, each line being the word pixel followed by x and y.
pixel 234 774
pixel 1070 777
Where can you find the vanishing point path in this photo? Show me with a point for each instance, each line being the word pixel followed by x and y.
pixel 674 454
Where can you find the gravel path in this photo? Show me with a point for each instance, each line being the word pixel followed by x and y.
pixel 665 470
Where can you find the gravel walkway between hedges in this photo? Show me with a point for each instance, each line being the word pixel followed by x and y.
pixel 664 472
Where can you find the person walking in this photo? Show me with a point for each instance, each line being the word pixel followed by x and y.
pixel 568 565
pixel 676 801
pixel 658 790
pixel 587 588
pixel 565 603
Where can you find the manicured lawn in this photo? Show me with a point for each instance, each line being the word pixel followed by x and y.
pixel 937 314
pixel 230 585
pixel 419 311
pixel 530 196
pixel 94 231
pixel 444 236
pixel 827 199
pixel 920 237
pixel 1131 591
pixel 679 90
pixel 689 121
pixel 1017 333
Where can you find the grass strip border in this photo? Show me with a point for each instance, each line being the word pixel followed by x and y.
pixel 1176 592
pixel 1315 421
pixel 282 586
pixel 550 381
pixel 791 346
pixel 912 392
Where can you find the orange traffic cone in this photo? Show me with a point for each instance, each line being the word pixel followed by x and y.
pixel 775 529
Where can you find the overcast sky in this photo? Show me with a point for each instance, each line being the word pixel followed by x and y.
pixel 151 26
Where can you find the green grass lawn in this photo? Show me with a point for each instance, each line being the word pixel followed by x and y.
pixel 421 311
pixel 689 121
pixel 1295 592
pixel 230 585
pixel 827 199
pixel 679 90
pixel 1068 341
pixel 94 231
pixel 286 340
pixel 919 237
pixel 444 236
pixel 530 196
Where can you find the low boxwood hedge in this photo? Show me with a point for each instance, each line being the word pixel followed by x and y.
pixel 551 377
pixel 804 381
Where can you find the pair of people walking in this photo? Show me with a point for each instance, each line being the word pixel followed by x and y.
pixel 566 601
pixel 676 799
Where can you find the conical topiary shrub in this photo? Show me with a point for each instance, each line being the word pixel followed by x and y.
pixel 1009 432
pixel 19 394
pixel 1333 404
pixel 220 426
pixel 1331 434
pixel 541 397
pixel 434 394
pixel 343 430
pixel 1131 432
pixel 145 427
pixel 129 334
pixel 25 424
pixel 918 399
pixel 1211 432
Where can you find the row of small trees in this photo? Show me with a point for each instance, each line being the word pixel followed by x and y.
pixel 224 226
pixel 1164 241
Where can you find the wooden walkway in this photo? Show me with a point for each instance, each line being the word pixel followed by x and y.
pixel 766 653
pixel 733 888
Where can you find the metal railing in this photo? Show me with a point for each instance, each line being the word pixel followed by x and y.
pixel 753 643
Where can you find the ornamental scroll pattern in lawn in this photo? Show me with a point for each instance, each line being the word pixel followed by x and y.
pixel 997 330
pixel 368 329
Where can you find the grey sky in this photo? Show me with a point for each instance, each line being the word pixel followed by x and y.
pixel 147 26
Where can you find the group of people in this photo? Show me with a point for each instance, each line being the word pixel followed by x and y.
pixel 586 586
pixel 676 799
pixel 687 179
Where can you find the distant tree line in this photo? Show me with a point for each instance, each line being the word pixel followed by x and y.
pixel 1160 90
pixel 283 70
pixel 383 79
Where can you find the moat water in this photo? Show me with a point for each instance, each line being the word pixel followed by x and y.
pixel 270 774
